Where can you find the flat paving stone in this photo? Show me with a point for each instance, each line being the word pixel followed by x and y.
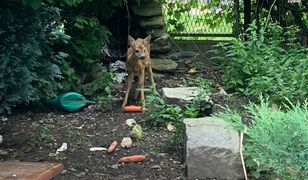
pixel 212 150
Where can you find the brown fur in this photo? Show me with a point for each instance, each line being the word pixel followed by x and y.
pixel 138 63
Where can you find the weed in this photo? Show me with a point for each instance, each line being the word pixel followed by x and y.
pixel 161 114
pixel 83 141
pixel 205 84
pixel 41 134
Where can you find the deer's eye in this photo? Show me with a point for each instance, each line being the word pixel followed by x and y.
pixel 137 51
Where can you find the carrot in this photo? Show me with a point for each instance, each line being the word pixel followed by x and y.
pixel 133 108
pixel 112 147
pixel 132 159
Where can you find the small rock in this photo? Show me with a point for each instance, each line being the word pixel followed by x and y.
pixel 163 40
pixel 73 169
pixel 158 76
pixel 4 119
pixel 63 172
pixel 176 162
pixel 170 127
pixel 157 167
pixel 115 166
pixel 156 33
pixel 1 139
pixel 130 122
pixel 192 71
pixel 223 92
pixel 81 174
pixel 183 54
pixel 160 49
pixel 3 153
pixel 126 142
pixel 155 22
pixel 164 65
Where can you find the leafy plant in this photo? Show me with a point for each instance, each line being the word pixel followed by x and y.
pixel 204 84
pixel 41 134
pixel 201 105
pixel 269 62
pixel 29 68
pixel 276 142
pixel 101 90
pixel 161 114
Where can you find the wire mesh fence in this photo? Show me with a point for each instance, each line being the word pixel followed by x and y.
pixel 201 18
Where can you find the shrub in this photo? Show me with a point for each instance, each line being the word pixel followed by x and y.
pixel 269 62
pixel 276 143
pixel 29 65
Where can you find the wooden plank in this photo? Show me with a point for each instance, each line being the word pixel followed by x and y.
pixel 29 170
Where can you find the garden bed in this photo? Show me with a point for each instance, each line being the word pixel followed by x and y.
pixel 31 135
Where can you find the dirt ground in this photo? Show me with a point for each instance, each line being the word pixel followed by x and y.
pixel 88 128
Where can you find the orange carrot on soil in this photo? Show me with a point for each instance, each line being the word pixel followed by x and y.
pixel 133 108
pixel 112 147
pixel 132 159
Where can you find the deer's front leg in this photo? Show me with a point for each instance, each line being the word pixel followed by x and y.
pixel 150 73
pixel 130 79
pixel 141 85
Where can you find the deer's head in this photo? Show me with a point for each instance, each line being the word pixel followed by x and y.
pixel 140 46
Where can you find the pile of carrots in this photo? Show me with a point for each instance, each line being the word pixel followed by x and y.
pixel 126 159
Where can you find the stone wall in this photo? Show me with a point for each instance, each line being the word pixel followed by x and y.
pixel 147 18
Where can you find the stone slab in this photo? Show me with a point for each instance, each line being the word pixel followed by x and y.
pixel 212 150
pixel 180 95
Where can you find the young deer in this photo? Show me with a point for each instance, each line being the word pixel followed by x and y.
pixel 138 63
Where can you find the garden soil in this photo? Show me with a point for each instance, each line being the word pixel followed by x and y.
pixel 34 135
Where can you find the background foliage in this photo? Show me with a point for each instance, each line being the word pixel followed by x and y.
pixel 49 47
pixel 29 68
pixel 276 142
pixel 270 62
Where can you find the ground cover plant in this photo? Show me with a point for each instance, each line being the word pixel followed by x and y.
pixel 270 61
pixel 276 141
pixel 160 113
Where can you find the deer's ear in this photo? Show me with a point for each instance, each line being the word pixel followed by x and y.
pixel 131 40
pixel 147 39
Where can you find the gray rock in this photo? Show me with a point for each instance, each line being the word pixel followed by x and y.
pixel 158 76
pixel 155 22
pixel 212 150
pixel 3 153
pixel 1 139
pixel 156 33
pixel 163 40
pixel 147 10
pixel 164 65
pixel 183 54
pixel 180 95
pixel 157 49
